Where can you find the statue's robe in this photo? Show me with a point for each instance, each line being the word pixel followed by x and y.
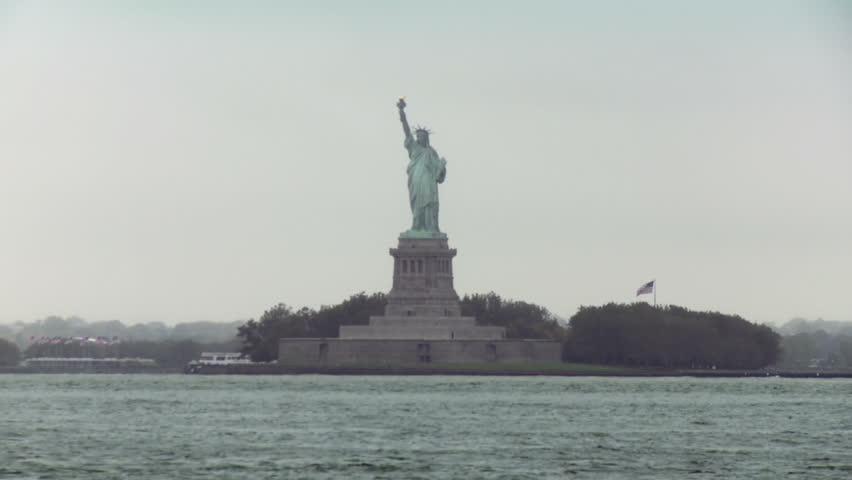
pixel 425 171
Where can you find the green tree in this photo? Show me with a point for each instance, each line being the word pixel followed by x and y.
pixel 672 337
pixel 9 353
pixel 260 337
pixel 818 347
pixel 521 319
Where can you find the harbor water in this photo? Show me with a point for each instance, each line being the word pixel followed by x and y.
pixel 317 427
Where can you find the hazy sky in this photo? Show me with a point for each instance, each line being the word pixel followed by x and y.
pixel 198 160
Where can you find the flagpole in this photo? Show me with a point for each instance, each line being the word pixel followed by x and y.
pixel 655 293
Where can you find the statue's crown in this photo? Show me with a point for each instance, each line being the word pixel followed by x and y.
pixel 422 129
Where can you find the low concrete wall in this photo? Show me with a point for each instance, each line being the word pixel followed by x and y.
pixel 365 351
pixel 449 322
pixel 363 332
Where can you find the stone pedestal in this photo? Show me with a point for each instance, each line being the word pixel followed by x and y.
pixel 422 328
pixel 423 279
pixel 422 303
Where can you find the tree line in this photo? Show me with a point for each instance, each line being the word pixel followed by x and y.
pixel 9 353
pixel 169 346
pixel 260 337
pixel 620 334
pixel 521 319
pixel 55 326
pixel 167 353
pixel 673 337
pixel 817 349
pixel 631 335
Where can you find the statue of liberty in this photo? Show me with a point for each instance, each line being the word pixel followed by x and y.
pixel 425 171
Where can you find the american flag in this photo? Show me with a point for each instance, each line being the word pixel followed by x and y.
pixel 647 288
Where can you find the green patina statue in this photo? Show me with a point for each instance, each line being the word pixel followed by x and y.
pixel 425 171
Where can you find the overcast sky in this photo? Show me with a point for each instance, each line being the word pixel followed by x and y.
pixel 199 160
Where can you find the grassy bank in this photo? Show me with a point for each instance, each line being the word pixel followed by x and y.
pixel 527 367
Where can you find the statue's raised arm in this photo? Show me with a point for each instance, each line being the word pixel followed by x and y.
pixel 405 128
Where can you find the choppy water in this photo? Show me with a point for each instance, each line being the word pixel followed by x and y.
pixel 195 427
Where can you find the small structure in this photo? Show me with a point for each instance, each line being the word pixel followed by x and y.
pixel 222 358
pixel 216 359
